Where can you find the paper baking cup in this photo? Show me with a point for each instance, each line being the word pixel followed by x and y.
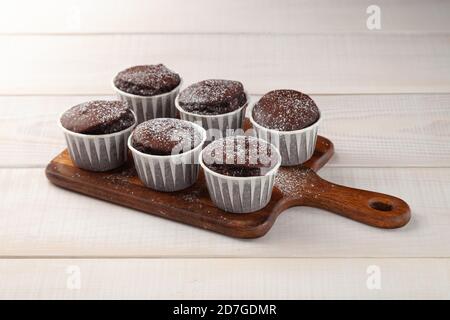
pixel 168 173
pixel 101 152
pixel 240 194
pixel 151 107
pixel 216 126
pixel 295 147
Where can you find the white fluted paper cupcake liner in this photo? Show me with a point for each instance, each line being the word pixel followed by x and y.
pixel 168 173
pixel 295 147
pixel 216 126
pixel 98 152
pixel 151 107
pixel 240 194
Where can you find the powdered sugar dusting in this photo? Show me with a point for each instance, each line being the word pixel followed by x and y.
pixel 240 156
pixel 147 80
pixel 285 110
pixel 163 135
pixel 213 96
pixel 292 181
pixel 97 117
pixel 300 182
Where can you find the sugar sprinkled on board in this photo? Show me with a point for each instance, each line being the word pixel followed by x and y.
pixel 298 181
pixel 192 196
pixel 122 177
pixel 290 181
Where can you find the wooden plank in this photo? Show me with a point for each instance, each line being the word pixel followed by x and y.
pixel 367 130
pixel 335 63
pixel 39 219
pixel 204 16
pixel 225 279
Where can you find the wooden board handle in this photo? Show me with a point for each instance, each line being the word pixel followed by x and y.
pixel 371 208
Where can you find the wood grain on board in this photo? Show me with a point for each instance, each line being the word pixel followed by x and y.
pixel 193 205
pixel 294 186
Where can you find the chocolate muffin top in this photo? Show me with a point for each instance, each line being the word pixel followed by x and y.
pixel 240 156
pixel 147 80
pixel 98 117
pixel 285 110
pixel 212 97
pixel 165 136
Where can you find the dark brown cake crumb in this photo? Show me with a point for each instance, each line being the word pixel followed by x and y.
pixel 98 117
pixel 147 80
pixel 212 97
pixel 240 156
pixel 285 110
pixel 165 136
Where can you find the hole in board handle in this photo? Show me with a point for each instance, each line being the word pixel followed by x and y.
pixel 380 205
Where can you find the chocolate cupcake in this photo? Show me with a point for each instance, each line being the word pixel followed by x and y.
pixel 239 156
pixel 212 97
pixel 240 172
pixel 165 152
pixel 147 80
pixel 98 117
pixel 218 105
pixel 149 89
pixel 288 119
pixel 96 133
pixel 165 137
pixel 285 110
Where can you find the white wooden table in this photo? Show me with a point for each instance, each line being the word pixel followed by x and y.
pixel 385 97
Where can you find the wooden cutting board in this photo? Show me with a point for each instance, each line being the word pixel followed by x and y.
pixel 294 186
